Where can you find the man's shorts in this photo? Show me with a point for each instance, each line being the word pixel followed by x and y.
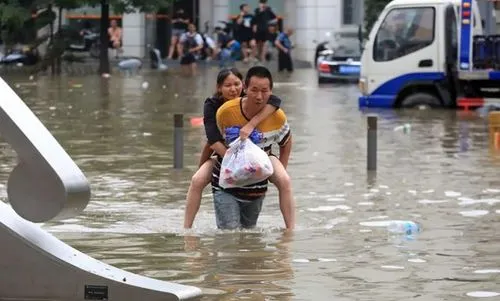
pixel 261 36
pixel 110 44
pixel 188 59
pixel 233 213
pixel 245 37
pixel 178 32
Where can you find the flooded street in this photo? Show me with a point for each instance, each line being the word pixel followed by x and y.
pixel 440 174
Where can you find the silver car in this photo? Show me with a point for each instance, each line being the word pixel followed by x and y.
pixel 339 63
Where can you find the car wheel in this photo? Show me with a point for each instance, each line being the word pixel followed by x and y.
pixel 421 101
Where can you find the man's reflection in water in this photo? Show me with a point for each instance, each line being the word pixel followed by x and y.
pixel 245 265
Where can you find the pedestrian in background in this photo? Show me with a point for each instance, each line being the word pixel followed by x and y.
pixel 284 45
pixel 244 33
pixel 264 16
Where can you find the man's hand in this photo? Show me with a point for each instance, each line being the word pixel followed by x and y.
pixel 246 130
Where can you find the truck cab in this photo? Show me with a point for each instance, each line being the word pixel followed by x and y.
pixel 426 53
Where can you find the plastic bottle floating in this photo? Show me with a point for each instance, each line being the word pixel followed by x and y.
pixel 403 227
pixel 405 128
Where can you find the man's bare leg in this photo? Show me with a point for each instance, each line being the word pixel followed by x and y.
pixel 179 50
pixel 246 51
pixel 193 68
pixel 173 44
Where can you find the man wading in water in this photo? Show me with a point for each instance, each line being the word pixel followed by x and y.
pixel 191 44
pixel 240 207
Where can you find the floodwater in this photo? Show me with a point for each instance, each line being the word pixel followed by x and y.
pixel 441 174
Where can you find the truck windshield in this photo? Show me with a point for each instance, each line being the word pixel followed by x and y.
pixel 404 31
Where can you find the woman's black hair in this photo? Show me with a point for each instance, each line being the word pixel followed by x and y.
pixel 221 77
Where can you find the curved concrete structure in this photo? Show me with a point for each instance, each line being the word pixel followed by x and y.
pixel 46 184
pixel 35 265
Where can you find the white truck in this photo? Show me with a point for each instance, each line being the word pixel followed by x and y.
pixel 429 53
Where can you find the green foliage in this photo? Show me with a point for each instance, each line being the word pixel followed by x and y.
pixel 373 8
pixel 16 15
pixel 69 4
pixel 13 15
pixel 44 18
pixel 18 26
pixel 15 19
pixel 12 19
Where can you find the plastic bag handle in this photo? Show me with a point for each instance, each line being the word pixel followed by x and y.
pixel 237 140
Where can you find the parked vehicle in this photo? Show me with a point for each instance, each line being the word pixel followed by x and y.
pixel 21 56
pixel 339 63
pixel 430 53
pixel 323 48
pixel 90 42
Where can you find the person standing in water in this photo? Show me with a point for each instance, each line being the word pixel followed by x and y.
pixel 230 86
pixel 245 33
pixel 284 46
pixel 240 207
pixel 192 44
pixel 180 23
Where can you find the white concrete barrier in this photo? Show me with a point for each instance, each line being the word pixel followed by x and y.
pixel 35 265
pixel 46 184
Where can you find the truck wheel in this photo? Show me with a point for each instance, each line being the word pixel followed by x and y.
pixel 421 101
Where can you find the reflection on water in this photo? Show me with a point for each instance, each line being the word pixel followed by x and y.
pixel 441 174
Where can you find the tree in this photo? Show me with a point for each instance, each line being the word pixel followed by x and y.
pixel 21 21
pixel 14 16
pixel 373 8
pixel 17 24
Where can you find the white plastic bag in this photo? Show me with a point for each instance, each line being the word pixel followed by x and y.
pixel 244 164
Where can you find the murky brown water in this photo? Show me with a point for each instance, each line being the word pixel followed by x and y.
pixel 441 174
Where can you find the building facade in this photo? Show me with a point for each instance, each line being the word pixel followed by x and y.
pixel 311 19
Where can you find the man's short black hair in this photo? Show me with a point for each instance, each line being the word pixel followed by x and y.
pixel 259 71
pixel 263 1
pixel 242 6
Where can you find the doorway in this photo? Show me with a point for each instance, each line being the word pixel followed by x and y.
pixel 190 7
pixel 163 22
